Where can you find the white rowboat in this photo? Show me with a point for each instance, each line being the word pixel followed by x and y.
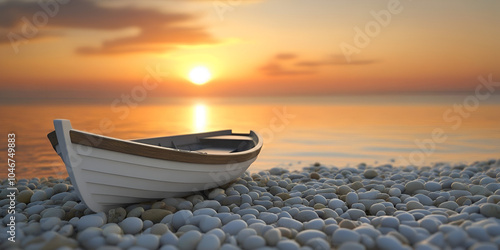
pixel 108 172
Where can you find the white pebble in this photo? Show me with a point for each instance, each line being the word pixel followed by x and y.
pixel 189 240
pixel 234 227
pixel 253 242
pixel 288 245
pixel 131 225
pixel 149 241
pixel 89 221
pixel 343 235
pixel 303 236
pixel 209 242
pixel 209 223
pixel 169 238
pixel 290 223
pixel 335 203
pixel 388 242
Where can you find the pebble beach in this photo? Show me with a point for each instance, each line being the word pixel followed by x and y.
pixel 444 206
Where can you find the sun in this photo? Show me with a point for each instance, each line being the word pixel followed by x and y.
pixel 199 75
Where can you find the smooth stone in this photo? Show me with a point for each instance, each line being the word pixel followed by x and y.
pixel 219 233
pixel 305 235
pixel 290 223
pixel 388 221
pixel 268 218
pixel 493 199
pixel 368 230
pixel 209 242
pixel 288 245
pixel 88 233
pixel 24 196
pixel 241 189
pixel 411 205
pixel 169 238
pixel 155 215
pixel 490 210
pixel 60 187
pixel 189 240
pixel 336 203
pixel 317 243
pixel 370 195
pixel 456 237
pixel 355 214
pixel 351 198
pixel 245 233
pixel 180 218
pixel 47 224
pixel 89 221
pixel 206 211
pixel 346 223
pixel 451 205
pixel 352 246
pixel 36 209
pixel 395 192
pixel 459 193
pixel 136 212
pixel 343 235
pixel 38 196
pixel 317 224
pixel 253 242
pixel 478 233
pixel 306 215
pixel 159 229
pixel 184 205
pixel 388 242
pixel 294 200
pixel 234 227
pixel 66 230
pixel 413 186
pixel 272 236
pixel 424 199
pixel 209 223
pixel 370 173
pixel 207 204
pixel 111 228
pixel 148 241
pixel 320 199
pixel 431 225
pixel 131 225
pixel 375 208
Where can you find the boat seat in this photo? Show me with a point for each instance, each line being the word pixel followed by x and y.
pixel 226 138
pixel 216 150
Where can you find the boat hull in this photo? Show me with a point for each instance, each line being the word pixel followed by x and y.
pixel 107 179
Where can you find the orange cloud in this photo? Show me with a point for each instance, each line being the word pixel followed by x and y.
pixel 295 66
pixel 158 31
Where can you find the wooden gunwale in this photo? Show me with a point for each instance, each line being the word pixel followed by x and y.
pixel 155 152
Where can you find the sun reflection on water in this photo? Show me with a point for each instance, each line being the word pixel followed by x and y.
pixel 200 118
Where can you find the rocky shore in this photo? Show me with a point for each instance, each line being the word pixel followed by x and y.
pixel 321 207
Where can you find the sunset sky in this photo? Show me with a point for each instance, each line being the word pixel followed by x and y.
pixel 84 49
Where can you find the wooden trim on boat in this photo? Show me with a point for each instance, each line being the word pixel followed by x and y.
pixel 155 152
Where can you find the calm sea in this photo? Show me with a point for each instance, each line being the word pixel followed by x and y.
pixel 335 131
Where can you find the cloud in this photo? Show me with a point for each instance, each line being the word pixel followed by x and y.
pixel 158 31
pixel 295 66
pixel 275 69
pixel 285 56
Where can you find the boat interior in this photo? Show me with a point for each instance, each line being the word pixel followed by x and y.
pixel 218 142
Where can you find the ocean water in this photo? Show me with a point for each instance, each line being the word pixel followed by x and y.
pixel 333 130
